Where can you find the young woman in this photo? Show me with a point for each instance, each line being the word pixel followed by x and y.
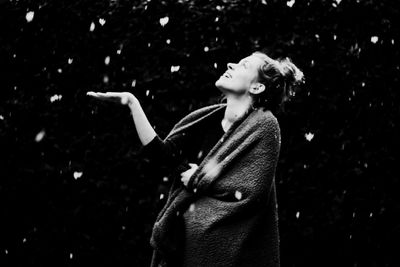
pixel 222 208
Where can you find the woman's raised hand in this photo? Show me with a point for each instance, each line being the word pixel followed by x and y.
pixel 124 98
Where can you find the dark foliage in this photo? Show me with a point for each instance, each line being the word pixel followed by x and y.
pixel 74 190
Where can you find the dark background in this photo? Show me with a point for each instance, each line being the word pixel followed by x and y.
pixel 338 192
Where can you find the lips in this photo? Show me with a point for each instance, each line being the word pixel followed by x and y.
pixel 227 75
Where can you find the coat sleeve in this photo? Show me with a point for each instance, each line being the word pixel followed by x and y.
pixel 169 152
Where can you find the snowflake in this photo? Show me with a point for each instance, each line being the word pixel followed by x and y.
pixel 29 16
pixel 164 21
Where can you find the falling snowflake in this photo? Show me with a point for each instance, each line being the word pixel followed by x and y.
pixel 55 98
pixel 238 195
pixel 71 255
pixel 200 154
pixel 78 175
pixel 206 49
pixel 40 135
pixel 147 92
pixel 168 41
pixel 1 117
pixel 297 214
pixel 215 65
pixel 164 21
pixel 175 68
pixel 264 2
pixel 192 207
pixel 161 196
pixel 309 136
pixel 59 70
pixel 102 21
pixel 107 60
pixel 70 60
pixel 29 16
pixel 106 79
pixel 92 26
pixel 290 3
pixel 133 84
pixel 165 179
pixel 374 39
pixel 24 240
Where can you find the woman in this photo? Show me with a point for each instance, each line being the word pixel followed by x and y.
pixel 222 211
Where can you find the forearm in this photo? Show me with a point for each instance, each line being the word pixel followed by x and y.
pixel 144 129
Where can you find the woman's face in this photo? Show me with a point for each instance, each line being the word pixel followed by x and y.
pixel 240 77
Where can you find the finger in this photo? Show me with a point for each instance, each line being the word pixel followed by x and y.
pixel 91 93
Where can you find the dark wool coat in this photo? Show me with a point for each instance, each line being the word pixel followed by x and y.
pixel 227 214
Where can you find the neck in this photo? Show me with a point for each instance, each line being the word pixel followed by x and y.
pixel 236 107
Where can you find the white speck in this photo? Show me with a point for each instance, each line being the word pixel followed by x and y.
pixel 102 21
pixel 264 2
pixel 133 83
pixel 362 84
pixel 29 16
pixel 200 154
pixel 206 49
pixel 365 165
pixel 309 136
pixel 55 98
pixel 107 60
pixel 119 51
pixel 334 37
pixel 290 3
pixel 219 8
pixel 392 41
pixel 6 251
pixel 350 236
pixel 40 136
pixel 354 214
pixel 317 36
pixel 338 1
pixel 148 44
pixel 216 19
pixel 165 179
pixel 371 214
pixel 147 92
pixel 215 65
pixel 353 92
pixel 71 255
pixel 297 214
pixel 374 39
pixel 24 240
pixel 305 166
pixel 59 70
pixel 164 21
pixel 70 60
pixel 106 79
pixel 14 55
pixel 312 62
pixel 175 68
pixel 161 196
pixel 238 195
pixel 1 117
pixel 92 26
pixel 77 175
pixel 168 41
pixel 192 207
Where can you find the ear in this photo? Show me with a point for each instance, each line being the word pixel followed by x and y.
pixel 257 88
